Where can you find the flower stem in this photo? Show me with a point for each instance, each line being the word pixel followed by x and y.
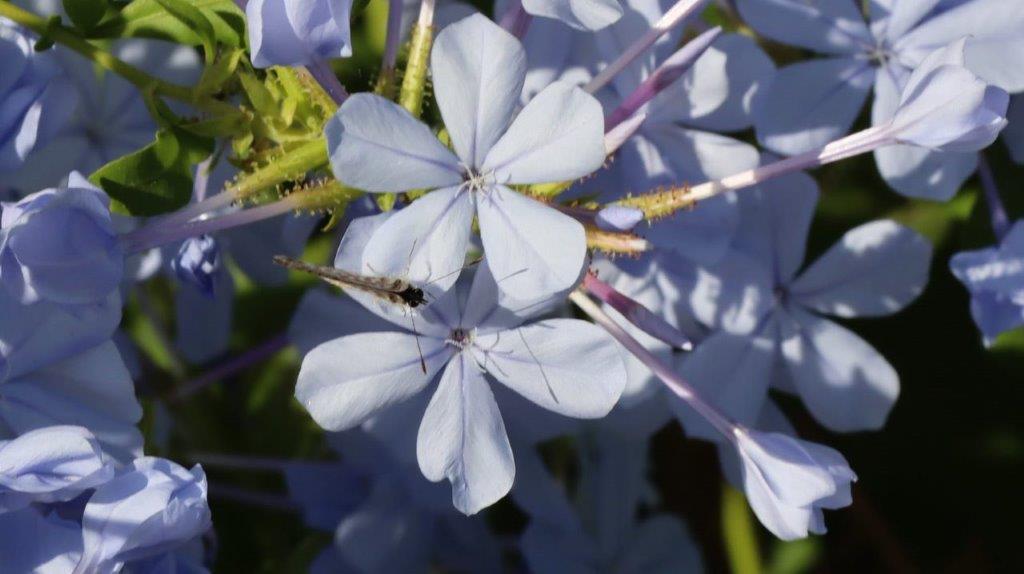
pixel 997 211
pixel 672 18
pixel 673 381
pixel 393 37
pixel 662 203
pixel 641 317
pixel 414 84
pixel 324 75
pixel 516 20
pixel 238 462
pixel 142 80
pixel 150 237
pixel 231 367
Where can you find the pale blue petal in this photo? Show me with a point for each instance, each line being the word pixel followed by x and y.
pixel 995 48
pixel 578 14
pixel 558 136
pixel 272 41
pixel 203 321
pixel 340 393
pixel 552 550
pixel 845 383
pixel 425 242
pixel 51 464
pixel 567 366
pixel 775 219
pixel 995 279
pixel 92 389
pixel 721 90
pixel 377 146
pixel 875 269
pixel 478 70
pixel 32 541
pixel 731 372
pixel 322 316
pixel 901 18
pixel 462 438
pixel 735 294
pixel 532 249
pixel 913 171
pixel 325 491
pixel 812 103
pixel 154 507
pixel 827 26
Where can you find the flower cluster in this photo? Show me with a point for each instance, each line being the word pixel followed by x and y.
pixel 581 220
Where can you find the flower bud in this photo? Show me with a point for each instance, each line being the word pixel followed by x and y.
pixel 946 107
pixel 197 261
pixel 298 32
pixel 789 481
pixel 60 245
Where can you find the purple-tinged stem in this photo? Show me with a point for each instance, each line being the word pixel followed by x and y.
pixel 847 147
pixel 996 209
pixel 672 380
pixel 150 237
pixel 616 136
pixel 641 317
pixel 664 76
pixel 191 211
pixel 324 75
pixel 672 18
pixel 251 497
pixel 516 20
pixel 393 35
pixel 231 367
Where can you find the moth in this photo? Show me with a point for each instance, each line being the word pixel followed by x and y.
pixel 393 290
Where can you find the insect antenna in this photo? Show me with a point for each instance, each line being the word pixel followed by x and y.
pixel 416 334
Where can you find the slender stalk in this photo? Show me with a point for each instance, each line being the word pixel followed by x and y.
pixel 997 211
pixel 231 367
pixel 641 317
pixel 662 203
pixel 672 18
pixel 148 238
pixel 392 39
pixel 324 75
pixel 194 210
pixel 516 20
pixel 414 84
pixel 672 380
pixel 142 80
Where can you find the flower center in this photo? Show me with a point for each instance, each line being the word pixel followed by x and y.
pixel 473 180
pixel 461 338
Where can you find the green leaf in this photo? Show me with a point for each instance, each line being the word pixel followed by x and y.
pixel 194 18
pixel 156 179
pixel 150 19
pixel 85 14
pixel 217 75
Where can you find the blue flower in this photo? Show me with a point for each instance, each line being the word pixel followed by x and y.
pixel 377 146
pixel 466 333
pixel 298 32
pixel 995 279
pixel 587 15
pixel 36 539
pixel 60 246
pixel 152 507
pixel 35 100
pixel 767 314
pixel 51 464
pixel 814 102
